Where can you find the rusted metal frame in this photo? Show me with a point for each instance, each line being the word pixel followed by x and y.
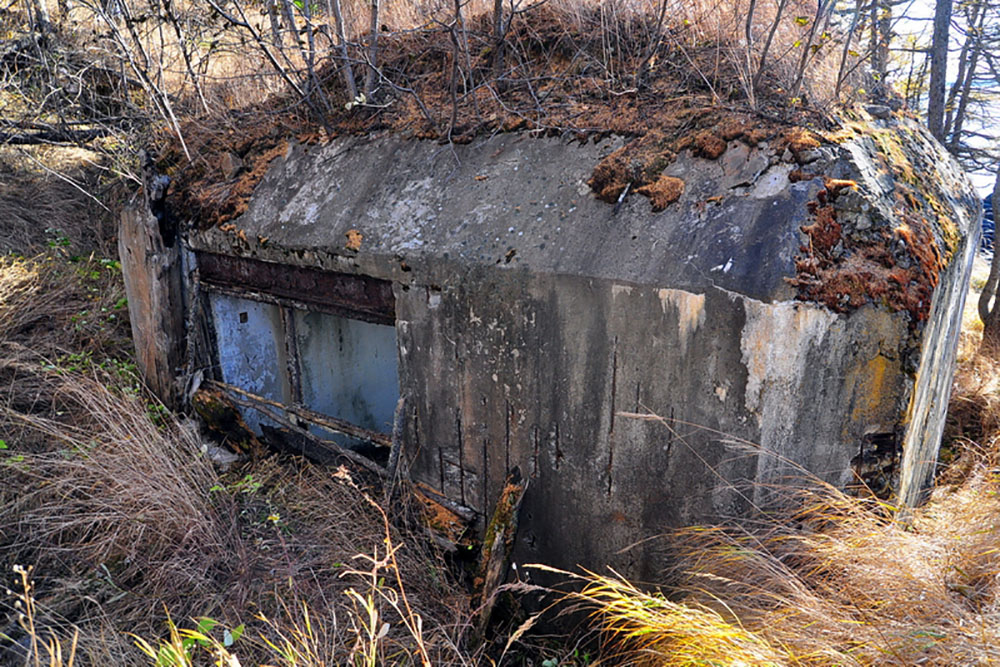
pixel 292 365
pixel 324 421
pixel 262 405
pixel 356 296
pixel 265 297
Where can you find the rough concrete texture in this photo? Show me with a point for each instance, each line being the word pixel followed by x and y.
pixel 533 321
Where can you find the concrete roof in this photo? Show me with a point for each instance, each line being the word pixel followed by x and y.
pixel 520 202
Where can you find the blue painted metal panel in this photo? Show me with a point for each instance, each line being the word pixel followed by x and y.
pixel 349 369
pixel 250 343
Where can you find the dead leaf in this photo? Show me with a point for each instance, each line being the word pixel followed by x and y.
pixel 353 240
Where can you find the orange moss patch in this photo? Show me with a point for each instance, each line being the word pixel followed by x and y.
pixel 664 191
pixel 834 185
pixel 800 175
pixel 438 518
pixel 865 270
pixel 708 144
pixel 638 163
pixel 897 266
pixel 824 233
pixel 920 242
pixel 354 238
pixel 799 140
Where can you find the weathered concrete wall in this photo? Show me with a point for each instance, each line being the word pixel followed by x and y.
pixel 531 316
pixel 539 369
pixel 939 349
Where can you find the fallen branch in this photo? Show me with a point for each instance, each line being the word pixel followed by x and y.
pixel 54 136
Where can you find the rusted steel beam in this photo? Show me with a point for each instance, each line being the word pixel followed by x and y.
pixel 363 297
pixel 304 413
pixel 272 410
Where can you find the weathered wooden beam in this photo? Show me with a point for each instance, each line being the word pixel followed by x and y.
pixel 152 269
pixel 275 411
pixel 330 423
pixel 498 544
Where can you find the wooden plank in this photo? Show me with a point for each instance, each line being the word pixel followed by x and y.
pixel 152 270
pixel 498 544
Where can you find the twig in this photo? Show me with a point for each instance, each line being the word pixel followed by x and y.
pixel 352 89
pixel 260 42
pixel 63 178
pixel 847 48
pixel 767 43
pixel 171 17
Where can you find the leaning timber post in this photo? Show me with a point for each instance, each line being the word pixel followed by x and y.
pixel 149 249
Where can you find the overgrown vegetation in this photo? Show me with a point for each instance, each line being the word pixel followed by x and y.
pixel 115 515
pixel 125 540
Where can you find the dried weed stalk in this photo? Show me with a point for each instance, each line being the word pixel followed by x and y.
pixel 119 510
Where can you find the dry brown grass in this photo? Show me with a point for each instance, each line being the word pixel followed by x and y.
pixel 121 515
pixel 41 205
pixel 137 514
pixel 840 581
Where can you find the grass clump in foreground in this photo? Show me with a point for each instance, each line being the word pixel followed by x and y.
pixel 840 582
pixel 119 516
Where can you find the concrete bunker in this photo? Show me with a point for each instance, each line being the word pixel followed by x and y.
pixel 454 314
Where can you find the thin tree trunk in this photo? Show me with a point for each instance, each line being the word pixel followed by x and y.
pixel 313 85
pixel 748 51
pixel 881 27
pixel 272 16
pixel 963 102
pixel 963 66
pixel 767 43
pixel 807 49
pixel 41 15
pixel 654 44
pixel 289 13
pixel 174 20
pixel 372 51
pixel 989 312
pixel 847 48
pixel 338 17
pixel 939 69
pixel 498 39
pixel 469 84
pixel 965 96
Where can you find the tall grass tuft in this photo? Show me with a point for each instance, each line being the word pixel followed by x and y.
pixel 120 512
pixel 647 628
pixel 840 581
